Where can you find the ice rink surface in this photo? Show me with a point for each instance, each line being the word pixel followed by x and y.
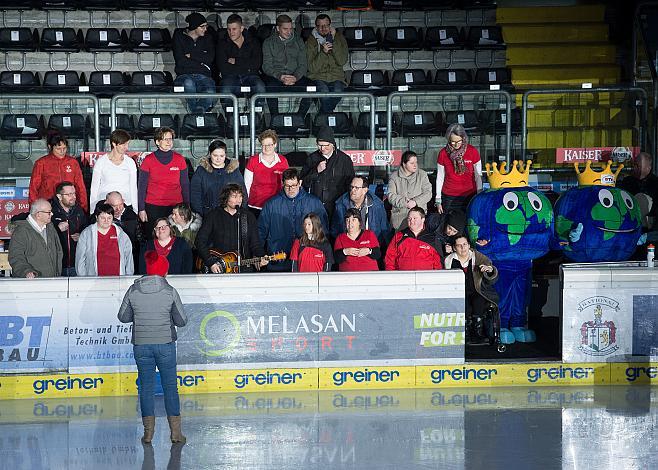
pixel 508 428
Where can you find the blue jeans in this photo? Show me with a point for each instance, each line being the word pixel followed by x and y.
pixel 232 84
pixel 327 105
pixel 147 357
pixel 197 83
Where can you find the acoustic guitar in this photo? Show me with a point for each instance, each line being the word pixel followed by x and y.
pixel 228 262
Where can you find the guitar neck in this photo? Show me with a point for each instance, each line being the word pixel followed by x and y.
pixel 247 262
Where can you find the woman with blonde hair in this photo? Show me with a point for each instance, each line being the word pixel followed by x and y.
pixel 262 176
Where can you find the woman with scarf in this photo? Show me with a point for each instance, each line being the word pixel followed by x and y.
pixel 458 171
pixel 175 249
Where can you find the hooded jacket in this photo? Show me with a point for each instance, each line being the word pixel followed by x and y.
pixel 377 221
pixel 284 56
pixel 208 182
pixel 155 309
pixel 483 281
pixel 188 233
pixel 85 255
pixel 402 187
pixel 201 53
pixel 280 222
pixel 29 253
pixel 49 171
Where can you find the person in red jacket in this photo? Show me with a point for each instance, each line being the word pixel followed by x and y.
pixel 52 169
pixel 413 247
pixel 163 180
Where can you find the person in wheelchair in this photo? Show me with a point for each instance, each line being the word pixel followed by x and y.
pixel 481 297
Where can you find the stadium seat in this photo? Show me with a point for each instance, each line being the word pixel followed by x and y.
pixel 273 5
pixel 452 78
pixel 311 5
pixel 372 81
pixel 362 130
pixel 123 121
pixel 105 40
pixel 361 38
pixel 149 40
pixel 493 76
pixel 297 158
pixel 485 37
pixel 262 31
pixel 59 4
pixel 468 119
pixel 418 123
pixel 153 5
pixel 443 37
pixel 227 5
pixel 291 125
pixel 22 127
pixel 243 125
pixel 402 38
pixel 62 81
pixel 339 122
pixel 202 126
pixel 72 125
pixel 150 82
pixel 108 83
pixel 353 5
pixel 306 33
pixel 103 5
pixel 18 39
pixel 185 5
pixel 148 123
pixel 20 81
pixel 495 121
pixel 413 78
pixel 19 5
pixel 61 40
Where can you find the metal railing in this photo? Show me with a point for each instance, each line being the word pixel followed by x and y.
pixel 558 91
pixel 505 96
pixel 179 96
pixel 264 96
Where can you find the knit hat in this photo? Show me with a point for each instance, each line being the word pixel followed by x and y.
pixel 457 220
pixel 194 20
pixel 156 264
pixel 325 134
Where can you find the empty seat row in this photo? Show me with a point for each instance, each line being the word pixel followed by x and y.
pixel 213 125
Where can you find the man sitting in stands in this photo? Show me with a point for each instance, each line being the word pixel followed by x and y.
pixel 412 248
pixel 69 220
pixel 35 250
pixel 228 228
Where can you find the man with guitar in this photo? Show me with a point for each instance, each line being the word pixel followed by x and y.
pixel 228 237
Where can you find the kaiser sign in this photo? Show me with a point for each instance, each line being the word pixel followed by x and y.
pixel 375 157
pixel 597 154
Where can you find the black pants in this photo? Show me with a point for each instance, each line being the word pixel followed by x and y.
pixel 153 213
pixel 455 202
pixel 274 85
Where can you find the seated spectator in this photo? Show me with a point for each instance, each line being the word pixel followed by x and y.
pixel 356 249
pixel 371 208
pixel 194 54
pixel 213 173
pixel 327 54
pixel 408 187
pixel 35 249
pixel 126 218
pixel 262 176
pixel 165 243
pixel 413 248
pixel 69 220
pixel 285 64
pixel 184 223
pixel 481 275
pixel 104 249
pixel 239 58
pixel 52 169
pixel 114 171
pixel 312 253
pixel 280 223
pixel 445 226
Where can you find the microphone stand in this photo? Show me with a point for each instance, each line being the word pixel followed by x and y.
pixel 239 235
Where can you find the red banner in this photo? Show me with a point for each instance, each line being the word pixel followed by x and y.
pixel 375 157
pixel 596 154
pixel 13 200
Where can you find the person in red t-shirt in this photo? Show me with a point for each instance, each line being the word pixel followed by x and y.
pixel 311 253
pixel 356 249
pixel 458 171
pixel 262 175
pixel 163 181
pixel 52 169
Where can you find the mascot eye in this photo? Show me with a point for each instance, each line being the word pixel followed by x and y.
pixel 535 201
pixel 605 198
pixel 628 200
pixel 510 201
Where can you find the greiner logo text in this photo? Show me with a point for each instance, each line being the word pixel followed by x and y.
pixel 340 378
pixel 557 373
pixel 635 373
pixel 267 378
pixel 69 383
pixel 439 375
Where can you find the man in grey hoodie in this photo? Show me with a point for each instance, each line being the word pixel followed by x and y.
pixel 285 64
pixel 155 309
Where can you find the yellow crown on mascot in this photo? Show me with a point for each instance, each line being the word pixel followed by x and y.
pixel 592 177
pixel 516 177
